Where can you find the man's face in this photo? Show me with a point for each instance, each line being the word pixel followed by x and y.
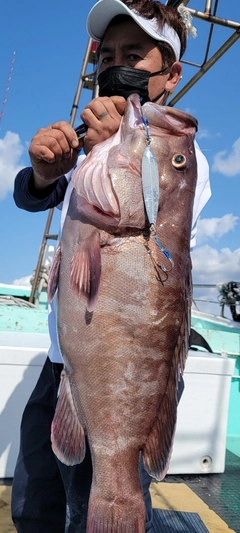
pixel 126 44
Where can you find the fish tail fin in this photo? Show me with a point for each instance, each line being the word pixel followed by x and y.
pixel 67 434
pixel 54 274
pixel 86 270
pixel 123 514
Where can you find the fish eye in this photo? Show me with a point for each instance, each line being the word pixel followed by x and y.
pixel 179 161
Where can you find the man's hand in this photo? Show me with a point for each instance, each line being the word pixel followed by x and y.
pixel 53 152
pixel 102 116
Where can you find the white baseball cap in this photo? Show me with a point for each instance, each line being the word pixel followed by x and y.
pixel 104 11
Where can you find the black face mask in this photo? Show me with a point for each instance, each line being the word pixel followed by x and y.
pixel 123 81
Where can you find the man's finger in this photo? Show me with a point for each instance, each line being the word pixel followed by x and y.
pixel 66 129
pixel 120 103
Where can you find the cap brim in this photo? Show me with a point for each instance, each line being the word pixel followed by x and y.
pixel 104 11
pixel 101 15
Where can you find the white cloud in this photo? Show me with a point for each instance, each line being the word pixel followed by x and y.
pixel 203 134
pixel 11 150
pixel 215 228
pixel 189 111
pixel 215 266
pixel 228 164
pixel 23 282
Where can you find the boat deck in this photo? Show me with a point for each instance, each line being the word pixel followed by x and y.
pixel 208 503
pixel 215 497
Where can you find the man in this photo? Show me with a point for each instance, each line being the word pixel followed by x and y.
pixel 141 43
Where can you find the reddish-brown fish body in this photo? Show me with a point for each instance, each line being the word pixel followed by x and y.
pixel 123 312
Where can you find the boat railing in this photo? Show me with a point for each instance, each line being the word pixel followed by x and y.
pixel 227 297
pixel 13 300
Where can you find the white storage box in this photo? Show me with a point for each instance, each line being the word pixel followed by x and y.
pixel 200 439
pixel 22 356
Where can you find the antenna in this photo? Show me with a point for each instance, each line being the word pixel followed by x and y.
pixel 7 87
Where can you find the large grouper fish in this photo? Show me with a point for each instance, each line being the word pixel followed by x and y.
pixel 123 299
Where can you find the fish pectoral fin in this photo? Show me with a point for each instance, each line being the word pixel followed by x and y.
pixel 67 434
pixel 86 269
pixel 54 274
pixel 158 447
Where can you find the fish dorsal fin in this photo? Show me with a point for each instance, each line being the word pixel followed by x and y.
pixel 67 434
pixel 86 269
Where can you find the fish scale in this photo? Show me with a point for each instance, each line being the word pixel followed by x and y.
pixel 122 317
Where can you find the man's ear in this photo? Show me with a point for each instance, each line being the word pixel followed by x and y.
pixel 174 76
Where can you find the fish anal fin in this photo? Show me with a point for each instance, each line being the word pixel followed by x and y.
pixel 54 274
pixel 67 434
pixel 86 270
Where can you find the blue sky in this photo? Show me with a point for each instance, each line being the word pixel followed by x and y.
pixel 50 39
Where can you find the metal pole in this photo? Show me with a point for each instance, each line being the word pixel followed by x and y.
pixel 41 254
pixel 205 67
pixel 208 7
pixel 80 84
pixel 215 20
